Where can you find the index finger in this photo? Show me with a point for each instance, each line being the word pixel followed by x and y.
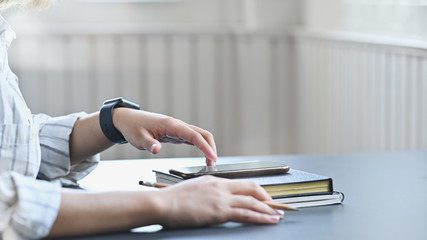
pixel 194 136
pixel 210 140
pixel 206 135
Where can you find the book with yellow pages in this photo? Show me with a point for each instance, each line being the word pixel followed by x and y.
pixel 294 183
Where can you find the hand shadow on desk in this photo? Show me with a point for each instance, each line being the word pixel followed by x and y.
pixel 230 230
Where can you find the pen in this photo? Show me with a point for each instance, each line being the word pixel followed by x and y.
pixel 274 205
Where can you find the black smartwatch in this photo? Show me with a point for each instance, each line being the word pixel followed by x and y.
pixel 106 118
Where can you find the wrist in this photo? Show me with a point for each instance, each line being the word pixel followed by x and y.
pixel 119 116
pixel 106 118
pixel 153 207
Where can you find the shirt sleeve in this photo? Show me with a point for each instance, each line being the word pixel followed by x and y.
pixel 28 207
pixel 55 151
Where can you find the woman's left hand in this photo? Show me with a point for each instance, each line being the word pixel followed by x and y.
pixel 145 130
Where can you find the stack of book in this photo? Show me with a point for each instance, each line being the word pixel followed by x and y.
pixel 295 188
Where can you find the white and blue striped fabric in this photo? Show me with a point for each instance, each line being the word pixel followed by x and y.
pixel 34 158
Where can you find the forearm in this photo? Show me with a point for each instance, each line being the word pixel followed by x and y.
pixel 83 213
pixel 87 138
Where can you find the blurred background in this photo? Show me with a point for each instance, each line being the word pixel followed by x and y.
pixel 264 76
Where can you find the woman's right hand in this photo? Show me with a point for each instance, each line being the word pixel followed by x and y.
pixel 210 200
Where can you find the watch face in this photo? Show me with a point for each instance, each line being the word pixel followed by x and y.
pixel 122 102
pixel 114 100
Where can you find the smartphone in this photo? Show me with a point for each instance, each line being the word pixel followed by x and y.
pixel 234 170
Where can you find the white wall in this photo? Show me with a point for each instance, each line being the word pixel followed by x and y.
pixel 186 14
pixel 387 18
pixel 362 76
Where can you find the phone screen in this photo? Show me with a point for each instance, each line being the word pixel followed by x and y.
pixel 245 169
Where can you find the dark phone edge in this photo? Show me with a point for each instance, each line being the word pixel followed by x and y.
pixel 242 173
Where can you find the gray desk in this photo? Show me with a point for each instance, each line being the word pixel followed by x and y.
pixel 385 198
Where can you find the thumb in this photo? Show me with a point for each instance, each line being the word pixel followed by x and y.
pixel 154 147
pixel 147 142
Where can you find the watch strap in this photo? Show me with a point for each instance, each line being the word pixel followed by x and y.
pixel 106 119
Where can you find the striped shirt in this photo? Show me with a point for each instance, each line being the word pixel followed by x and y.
pixel 34 158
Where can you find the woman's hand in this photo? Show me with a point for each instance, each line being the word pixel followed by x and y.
pixel 145 130
pixel 210 200
pixel 196 202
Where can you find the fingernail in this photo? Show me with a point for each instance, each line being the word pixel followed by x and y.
pixel 152 147
pixel 210 162
pixel 275 218
pixel 280 212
